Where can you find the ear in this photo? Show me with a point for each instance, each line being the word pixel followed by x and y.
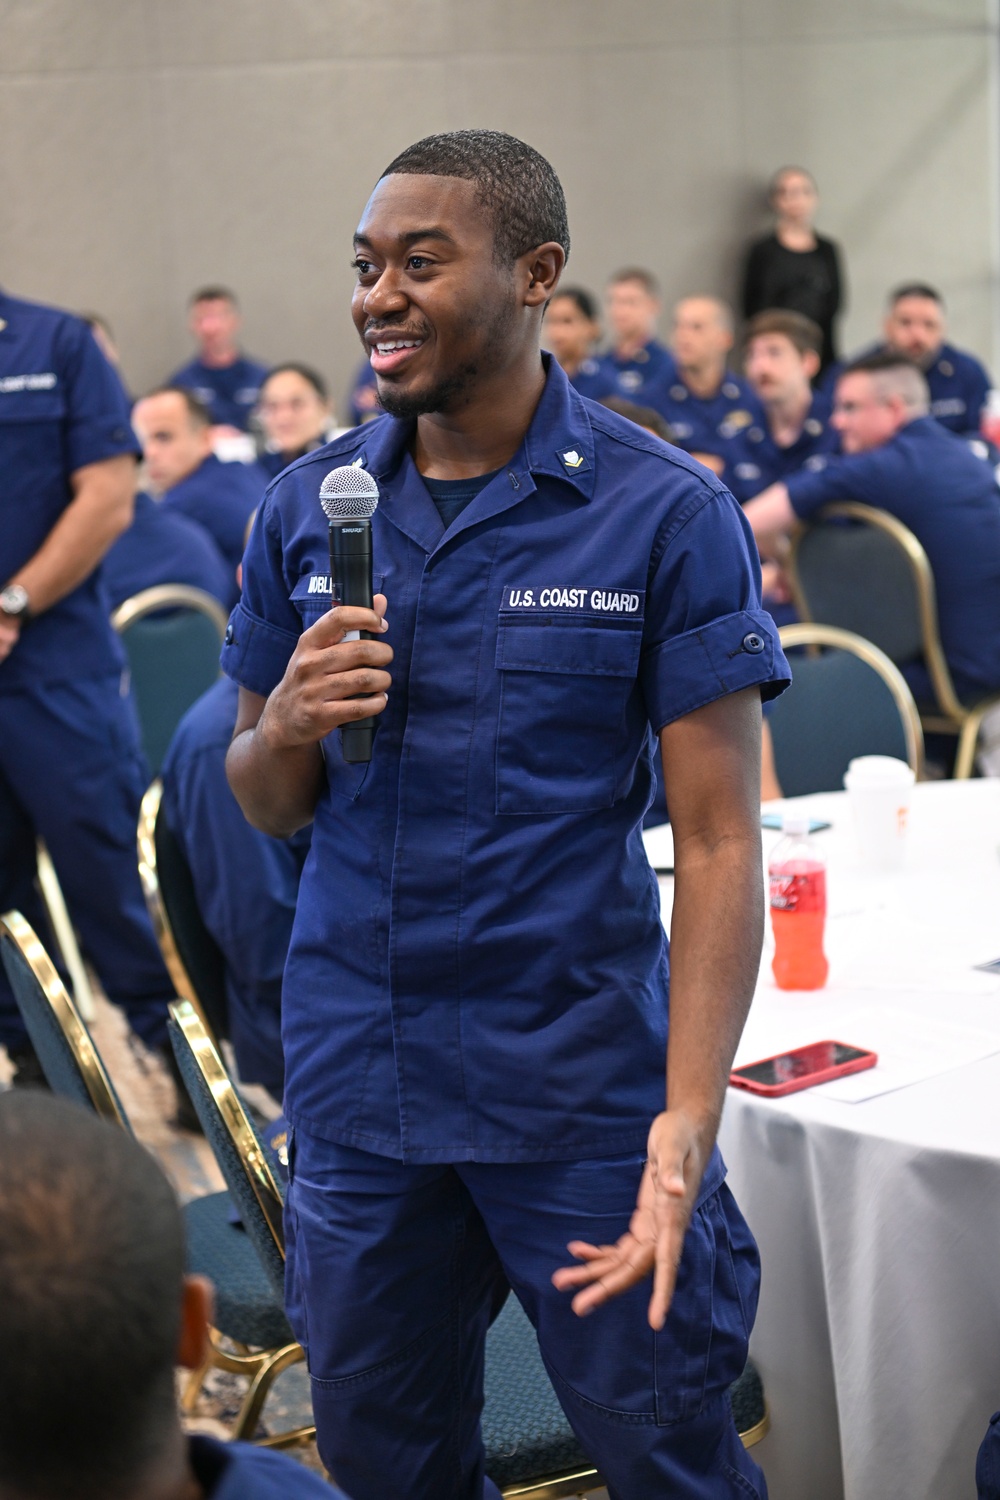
pixel 541 269
pixel 205 445
pixel 810 363
pixel 197 1308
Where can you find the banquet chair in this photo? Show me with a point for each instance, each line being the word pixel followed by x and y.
pixel 190 953
pixel 873 577
pixel 172 636
pixel 249 1314
pixel 846 699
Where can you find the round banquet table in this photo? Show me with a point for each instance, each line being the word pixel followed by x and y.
pixel 878 1219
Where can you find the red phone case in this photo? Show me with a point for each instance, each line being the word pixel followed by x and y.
pixel 806 1080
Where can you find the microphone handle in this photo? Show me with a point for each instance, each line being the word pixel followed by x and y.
pixel 351 574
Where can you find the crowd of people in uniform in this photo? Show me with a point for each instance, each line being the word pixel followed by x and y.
pixel 785 427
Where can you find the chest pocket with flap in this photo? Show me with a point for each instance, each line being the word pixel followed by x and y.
pixel 561 744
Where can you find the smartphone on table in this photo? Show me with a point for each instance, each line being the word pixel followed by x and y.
pixel 802 1068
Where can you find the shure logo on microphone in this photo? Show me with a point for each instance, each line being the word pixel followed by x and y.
pixel 349 530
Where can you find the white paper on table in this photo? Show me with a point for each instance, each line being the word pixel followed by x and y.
pixel 910 1047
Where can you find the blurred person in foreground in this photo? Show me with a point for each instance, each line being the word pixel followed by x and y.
pixel 295 415
pixel 571 330
pixel 96 1313
pixel 174 429
pixel 224 379
pixel 897 458
pixel 793 267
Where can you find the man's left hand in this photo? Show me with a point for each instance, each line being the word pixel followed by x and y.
pixel 677 1155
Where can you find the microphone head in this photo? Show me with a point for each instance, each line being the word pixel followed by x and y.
pixel 348 494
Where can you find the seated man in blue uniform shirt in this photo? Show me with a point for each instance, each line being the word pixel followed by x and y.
pixel 222 377
pixel 781 356
pixel 712 412
pixel 475 998
pixel 71 769
pixel 637 363
pixel 915 327
pixel 174 430
pixel 897 458
pixel 163 545
pixel 96 1314
pixel 246 883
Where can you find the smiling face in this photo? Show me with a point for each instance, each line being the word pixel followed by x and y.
pixel 292 412
pixel 436 312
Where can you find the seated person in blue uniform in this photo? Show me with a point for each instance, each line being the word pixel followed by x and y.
pixel 362 402
pixel 712 411
pixel 571 330
pixel 163 545
pixel 475 1008
pixel 780 357
pixel 247 884
pixel 224 379
pixel 294 413
pixel 898 458
pixel 637 359
pixel 96 1314
pixel 175 432
pixel 915 327
pixel 71 767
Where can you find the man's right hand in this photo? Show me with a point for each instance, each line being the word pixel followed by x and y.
pixel 323 682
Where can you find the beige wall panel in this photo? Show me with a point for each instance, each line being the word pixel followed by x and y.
pixel 46 36
pixel 783 20
pixel 909 193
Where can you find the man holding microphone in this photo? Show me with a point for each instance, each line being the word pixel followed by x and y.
pixel 475 1001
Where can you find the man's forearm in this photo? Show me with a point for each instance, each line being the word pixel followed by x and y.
pixel 97 515
pixel 277 789
pixel 715 945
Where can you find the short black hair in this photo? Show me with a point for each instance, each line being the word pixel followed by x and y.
pixel 642 416
pixel 196 408
pixel 515 185
pixel 309 375
pixel 586 302
pixel 915 289
pixel 213 293
pixel 91 1265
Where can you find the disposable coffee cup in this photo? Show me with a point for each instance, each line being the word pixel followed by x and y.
pixel 879 789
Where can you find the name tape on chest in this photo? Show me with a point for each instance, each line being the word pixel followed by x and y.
pixel 43 381
pixel 321 583
pixel 582 600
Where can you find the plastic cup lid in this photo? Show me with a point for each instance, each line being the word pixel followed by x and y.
pixel 878 770
pixel 795 823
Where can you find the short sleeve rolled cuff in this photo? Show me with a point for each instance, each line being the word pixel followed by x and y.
pixel 698 647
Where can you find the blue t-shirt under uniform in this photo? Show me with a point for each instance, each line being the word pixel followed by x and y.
pixel 230 391
pixel 478 969
pixel 930 480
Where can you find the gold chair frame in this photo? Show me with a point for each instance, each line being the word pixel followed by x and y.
pixel 810 635
pixel 18 930
pixel 62 928
pixel 169 596
pixel 952 716
pixel 262 1368
pixel 181 980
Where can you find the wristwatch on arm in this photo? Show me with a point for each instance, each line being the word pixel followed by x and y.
pixel 15 604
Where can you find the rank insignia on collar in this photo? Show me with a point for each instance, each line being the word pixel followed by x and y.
pixel 572 459
pixel 359 462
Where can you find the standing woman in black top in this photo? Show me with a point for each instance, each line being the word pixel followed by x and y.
pixel 795 268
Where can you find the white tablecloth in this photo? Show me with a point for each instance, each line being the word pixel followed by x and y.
pixel 878 1333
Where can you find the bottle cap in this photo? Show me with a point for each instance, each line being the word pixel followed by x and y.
pixel 795 823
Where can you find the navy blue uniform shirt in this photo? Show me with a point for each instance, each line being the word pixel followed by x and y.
pixel 247 884
pixel 594 379
pixel 61 407
pixel 478 970
pixel 930 480
pixel 362 403
pixel 756 460
pixel 230 393
pixel 640 378
pixel 958 384
pixel 240 1471
pixel 222 498
pixel 719 424
pixel 164 546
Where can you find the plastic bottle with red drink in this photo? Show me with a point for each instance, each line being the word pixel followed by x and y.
pixel 797 888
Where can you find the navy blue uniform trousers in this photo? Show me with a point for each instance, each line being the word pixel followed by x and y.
pixel 71 770
pixel 394 1272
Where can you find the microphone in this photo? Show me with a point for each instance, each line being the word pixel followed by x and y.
pixel 349 497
